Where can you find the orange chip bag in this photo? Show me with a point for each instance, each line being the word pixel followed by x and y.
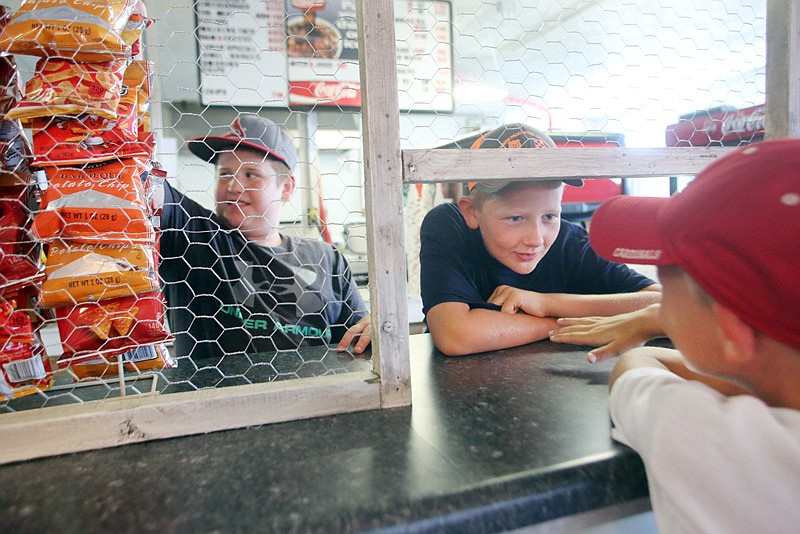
pixel 64 87
pixel 82 30
pixel 144 358
pixel 90 273
pixel 111 326
pixel 96 203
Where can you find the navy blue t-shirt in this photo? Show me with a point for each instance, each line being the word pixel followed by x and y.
pixel 456 267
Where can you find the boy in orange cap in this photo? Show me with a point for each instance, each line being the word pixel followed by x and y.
pixel 498 266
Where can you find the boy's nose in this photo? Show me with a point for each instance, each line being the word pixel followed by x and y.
pixel 234 185
pixel 533 236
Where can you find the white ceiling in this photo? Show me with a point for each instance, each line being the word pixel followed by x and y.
pixel 611 64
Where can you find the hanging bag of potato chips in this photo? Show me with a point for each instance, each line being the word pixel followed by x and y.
pixel 90 273
pixel 82 30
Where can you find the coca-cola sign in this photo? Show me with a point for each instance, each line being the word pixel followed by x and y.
pixel 325 93
pixel 730 127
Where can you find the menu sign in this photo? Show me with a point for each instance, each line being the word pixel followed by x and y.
pixel 278 53
pixel 242 52
pixel 423 36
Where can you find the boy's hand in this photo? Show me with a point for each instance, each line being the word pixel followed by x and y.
pixel 608 334
pixel 612 335
pixel 512 300
pixel 361 331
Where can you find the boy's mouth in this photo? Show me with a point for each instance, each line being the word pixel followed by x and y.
pixel 526 256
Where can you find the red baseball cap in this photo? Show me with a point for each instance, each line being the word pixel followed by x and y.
pixel 735 230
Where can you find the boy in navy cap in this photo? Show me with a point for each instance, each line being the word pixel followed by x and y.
pixel 233 283
pixel 498 266
pixel 717 422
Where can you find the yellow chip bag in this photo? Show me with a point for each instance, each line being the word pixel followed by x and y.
pixel 90 273
pixel 82 30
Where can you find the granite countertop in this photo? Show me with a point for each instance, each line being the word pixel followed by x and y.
pixel 492 442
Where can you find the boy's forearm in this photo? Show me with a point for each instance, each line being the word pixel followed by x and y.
pixel 570 305
pixel 480 330
pixel 673 361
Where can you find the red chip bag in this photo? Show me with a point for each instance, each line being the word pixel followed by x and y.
pixel 137 23
pixel 91 273
pixel 24 367
pixel 144 358
pixel 15 152
pixel 15 323
pixel 10 84
pixel 83 30
pixel 89 138
pixel 96 203
pixel 20 255
pixel 14 217
pixel 110 326
pixel 64 87
pixel 21 266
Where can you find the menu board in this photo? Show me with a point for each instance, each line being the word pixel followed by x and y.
pixel 304 53
pixel 242 52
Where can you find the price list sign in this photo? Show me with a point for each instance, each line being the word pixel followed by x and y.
pixel 423 34
pixel 242 52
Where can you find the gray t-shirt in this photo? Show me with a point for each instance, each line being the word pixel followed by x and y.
pixel 227 295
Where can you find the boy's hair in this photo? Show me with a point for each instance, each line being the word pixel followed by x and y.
pixel 734 230
pixel 514 135
pixel 479 196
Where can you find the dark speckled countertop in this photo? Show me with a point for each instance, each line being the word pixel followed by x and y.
pixel 492 442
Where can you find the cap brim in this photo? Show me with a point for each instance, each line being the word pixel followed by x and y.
pixel 493 186
pixel 624 229
pixel 208 148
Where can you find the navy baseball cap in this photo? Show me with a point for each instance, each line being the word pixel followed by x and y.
pixel 248 131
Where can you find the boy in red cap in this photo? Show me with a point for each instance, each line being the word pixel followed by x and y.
pixel 717 422
pixel 234 283
pixel 498 266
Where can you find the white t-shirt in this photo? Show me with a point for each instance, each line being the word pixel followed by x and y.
pixel 714 464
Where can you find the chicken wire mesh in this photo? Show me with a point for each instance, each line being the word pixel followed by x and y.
pixel 110 95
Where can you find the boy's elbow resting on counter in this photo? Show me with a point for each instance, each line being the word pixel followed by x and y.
pixel 450 345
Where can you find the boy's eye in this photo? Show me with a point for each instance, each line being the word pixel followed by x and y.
pixel 225 175
pixel 514 218
pixel 551 217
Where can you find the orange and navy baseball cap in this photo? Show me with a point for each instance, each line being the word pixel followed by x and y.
pixel 514 135
pixel 735 230
pixel 250 131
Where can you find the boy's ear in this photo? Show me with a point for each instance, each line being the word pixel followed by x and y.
pixel 289 186
pixel 740 339
pixel 470 212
